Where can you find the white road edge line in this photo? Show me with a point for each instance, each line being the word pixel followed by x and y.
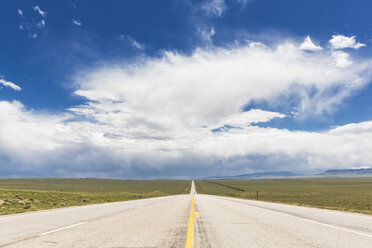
pixel 323 224
pixel 7 218
pixel 310 221
pixel 62 228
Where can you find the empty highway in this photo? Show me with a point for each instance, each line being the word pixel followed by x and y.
pixel 193 220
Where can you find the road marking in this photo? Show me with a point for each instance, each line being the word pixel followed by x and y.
pixel 190 228
pixel 62 228
pixel 7 218
pixel 323 224
pixel 43 213
pixel 303 219
pixel 196 214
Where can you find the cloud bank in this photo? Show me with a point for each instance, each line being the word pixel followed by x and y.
pixel 186 116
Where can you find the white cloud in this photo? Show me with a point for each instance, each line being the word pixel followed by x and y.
pixel 28 129
pixel 253 44
pixel 309 45
pixel 341 42
pixel 20 12
pixel 134 44
pixel 76 22
pixel 238 76
pixel 206 35
pixel 31 26
pixel 155 117
pixel 39 11
pixel 172 103
pixel 353 128
pixel 244 2
pixel 10 85
pixel 342 59
pixel 244 119
pixel 214 7
pixel 33 144
pixel 41 24
pixel 302 150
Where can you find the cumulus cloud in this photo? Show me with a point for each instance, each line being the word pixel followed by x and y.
pixel 342 59
pixel 76 22
pixel 239 76
pixel 341 42
pixel 155 117
pixel 35 144
pixel 309 45
pixel 9 84
pixel 338 147
pixel 31 129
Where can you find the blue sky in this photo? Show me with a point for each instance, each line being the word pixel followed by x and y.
pixel 134 89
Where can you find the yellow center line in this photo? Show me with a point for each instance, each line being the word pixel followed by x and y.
pixel 196 214
pixel 190 228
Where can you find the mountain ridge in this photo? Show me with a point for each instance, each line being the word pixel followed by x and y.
pixel 288 174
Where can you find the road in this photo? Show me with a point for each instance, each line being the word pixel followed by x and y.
pixel 193 220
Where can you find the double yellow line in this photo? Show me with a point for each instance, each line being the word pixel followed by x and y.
pixel 190 228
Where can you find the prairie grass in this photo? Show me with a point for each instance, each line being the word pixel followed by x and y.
pixel 345 194
pixel 23 195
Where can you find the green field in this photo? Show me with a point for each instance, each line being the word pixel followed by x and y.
pixel 346 194
pixel 23 195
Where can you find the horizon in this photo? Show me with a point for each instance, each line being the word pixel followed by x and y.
pixel 165 90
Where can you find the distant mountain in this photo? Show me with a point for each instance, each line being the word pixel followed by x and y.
pixel 267 174
pixel 348 172
pixel 275 174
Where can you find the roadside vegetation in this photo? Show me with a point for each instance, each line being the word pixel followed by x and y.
pixel 345 194
pixel 23 195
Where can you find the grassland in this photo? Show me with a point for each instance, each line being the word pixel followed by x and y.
pixel 346 194
pixel 23 195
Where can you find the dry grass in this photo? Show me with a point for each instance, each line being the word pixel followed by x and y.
pixel 23 195
pixel 346 194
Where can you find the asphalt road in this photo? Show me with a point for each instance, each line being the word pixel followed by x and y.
pixel 166 222
pixel 229 222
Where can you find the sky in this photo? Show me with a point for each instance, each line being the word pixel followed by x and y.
pixel 184 89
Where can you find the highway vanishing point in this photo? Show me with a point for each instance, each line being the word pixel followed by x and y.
pixel 193 220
